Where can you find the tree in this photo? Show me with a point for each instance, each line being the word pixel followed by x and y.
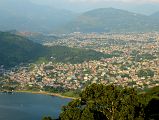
pixel 145 73
pixel 72 111
pixel 87 114
pixel 152 109
pixel 100 102
pixel 47 118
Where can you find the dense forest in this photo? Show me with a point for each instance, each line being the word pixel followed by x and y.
pixel 101 102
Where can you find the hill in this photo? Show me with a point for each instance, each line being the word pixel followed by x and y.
pixel 112 20
pixel 16 49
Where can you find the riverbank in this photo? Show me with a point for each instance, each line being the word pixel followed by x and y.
pixel 45 93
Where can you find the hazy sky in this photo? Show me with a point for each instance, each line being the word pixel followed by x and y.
pixel 98 1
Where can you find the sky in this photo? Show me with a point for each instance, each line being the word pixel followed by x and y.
pixel 99 1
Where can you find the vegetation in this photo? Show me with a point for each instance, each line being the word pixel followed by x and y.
pixel 76 55
pixel 71 93
pixel 153 92
pixel 145 73
pixel 100 102
pixel 15 49
pixel 54 90
pixel 117 53
pixel 47 118
pixel 141 57
pixel 41 38
pixel 105 102
pixel 152 110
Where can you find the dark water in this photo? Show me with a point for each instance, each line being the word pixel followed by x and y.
pixel 24 106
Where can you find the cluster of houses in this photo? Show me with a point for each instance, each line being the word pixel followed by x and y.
pixel 119 71
pixel 134 52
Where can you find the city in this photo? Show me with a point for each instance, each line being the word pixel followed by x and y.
pixel 79 60
pixel 134 63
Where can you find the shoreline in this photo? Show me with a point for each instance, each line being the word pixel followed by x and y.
pixel 45 93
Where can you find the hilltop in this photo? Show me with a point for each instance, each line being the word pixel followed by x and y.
pixel 112 20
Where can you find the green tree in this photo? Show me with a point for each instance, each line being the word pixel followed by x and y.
pixel 72 111
pixel 87 114
pixel 145 73
pixel 47 118
pixel 100 102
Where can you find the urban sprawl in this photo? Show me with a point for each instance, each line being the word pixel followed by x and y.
pixel 135 64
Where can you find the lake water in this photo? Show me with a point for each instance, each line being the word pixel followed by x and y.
pixel 25 106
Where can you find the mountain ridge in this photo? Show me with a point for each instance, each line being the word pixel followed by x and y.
pixel 112 20
pixel 33 18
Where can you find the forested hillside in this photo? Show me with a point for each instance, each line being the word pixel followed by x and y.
pixel 15 49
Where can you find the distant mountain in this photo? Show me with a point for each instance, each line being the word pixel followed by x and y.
pixel 15 49
pixel 112 20
pixel 24 15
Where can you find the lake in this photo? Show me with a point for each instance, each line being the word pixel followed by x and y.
pixel 25 106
